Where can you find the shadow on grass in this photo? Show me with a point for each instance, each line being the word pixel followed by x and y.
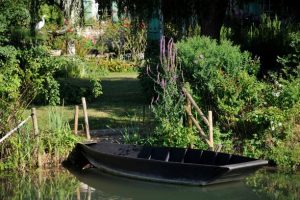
pixel 124 91
pixel 121 105
pixel 96 123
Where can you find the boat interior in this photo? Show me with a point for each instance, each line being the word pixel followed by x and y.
pixel 168 154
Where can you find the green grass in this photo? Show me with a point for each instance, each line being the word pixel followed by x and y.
pixel 120 106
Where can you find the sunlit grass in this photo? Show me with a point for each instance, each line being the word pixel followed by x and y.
pixel 121 105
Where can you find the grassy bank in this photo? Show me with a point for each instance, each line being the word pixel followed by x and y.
pixel 121 105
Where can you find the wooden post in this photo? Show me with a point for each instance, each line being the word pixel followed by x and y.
pixel 89 193
pixel 76 120
pixel 36 135
pixel 189 113
pixel 78 193
pixel 34 122
pixel 86 120
pixel 211 131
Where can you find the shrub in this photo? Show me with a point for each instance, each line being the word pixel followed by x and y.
pixel 168 105
pixel 268 40
pixel 116 65
pixel 291 61
pixel 40 68
pixel 72 90
pixel 260 117
pixel 222 78
pixel 70 67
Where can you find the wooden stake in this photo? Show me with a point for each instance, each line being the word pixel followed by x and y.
pixel 78 193
pixel 36 135
pixel 211 131
pixel 195 106
pixel 76 120
pixel 189 113
pixel 86 120
pixel 34 122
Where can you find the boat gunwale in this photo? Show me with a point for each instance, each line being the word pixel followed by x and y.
pixel 252 163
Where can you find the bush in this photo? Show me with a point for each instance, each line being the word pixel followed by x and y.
pixel 260 116
pixel 268 40
pixel 291 61
pixel 222 78
pixel 116 65
pixel 70 67
pixel 72 90
pixel 168 105
pixel 40 69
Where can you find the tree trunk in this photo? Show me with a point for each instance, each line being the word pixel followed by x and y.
pixel 73 10
pixel 212 14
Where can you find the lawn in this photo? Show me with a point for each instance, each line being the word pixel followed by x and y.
pixel 122 105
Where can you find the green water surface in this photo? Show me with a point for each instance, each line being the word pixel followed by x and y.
pixel 92 184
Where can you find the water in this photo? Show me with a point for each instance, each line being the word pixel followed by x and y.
pixel 92 184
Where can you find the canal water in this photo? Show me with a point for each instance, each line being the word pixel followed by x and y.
pixel 92 184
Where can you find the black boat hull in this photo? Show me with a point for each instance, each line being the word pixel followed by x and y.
pixel 163 165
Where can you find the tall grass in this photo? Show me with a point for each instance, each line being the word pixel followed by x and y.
pixel 57 139
pixel 53 143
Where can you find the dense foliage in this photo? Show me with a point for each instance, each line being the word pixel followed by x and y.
pixel 268 39
pixel 262 115
pixel 53 144
pixel 168 106
pixel 258 118
pixel 27 74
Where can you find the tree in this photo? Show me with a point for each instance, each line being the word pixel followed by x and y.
pixel 208 14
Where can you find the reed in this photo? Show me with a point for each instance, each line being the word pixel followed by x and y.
pixel 54 142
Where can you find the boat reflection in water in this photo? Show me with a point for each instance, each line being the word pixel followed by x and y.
pixel 101 185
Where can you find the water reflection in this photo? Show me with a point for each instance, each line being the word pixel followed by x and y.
pixel 112 187
pixel 271 184
pixel 46 184
pixel 92 184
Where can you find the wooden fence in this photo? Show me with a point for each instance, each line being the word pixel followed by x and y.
pixel 191 120
pixel 34 123
pixel 33 116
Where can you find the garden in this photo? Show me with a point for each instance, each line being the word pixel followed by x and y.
pixel 248 75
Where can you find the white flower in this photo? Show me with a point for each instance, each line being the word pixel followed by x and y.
pixel 276 94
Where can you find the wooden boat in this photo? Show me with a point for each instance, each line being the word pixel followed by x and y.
pixel 163 164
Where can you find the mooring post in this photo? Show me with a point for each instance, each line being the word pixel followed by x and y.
pixel 78 193
pixel 36 135
pixel 76 120
pixel 86 120
pixel 211 131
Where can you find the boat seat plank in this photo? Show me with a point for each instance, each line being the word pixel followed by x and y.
pixel 145 153
pixel 192 156
pixel 222 159
pixel 177 155
pixel 208 157
pixel 160 153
